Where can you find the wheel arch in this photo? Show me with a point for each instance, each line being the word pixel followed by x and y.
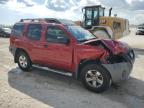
pixel 18 50
pixel 85 62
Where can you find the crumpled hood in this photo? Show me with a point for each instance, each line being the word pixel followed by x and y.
pixel 114 46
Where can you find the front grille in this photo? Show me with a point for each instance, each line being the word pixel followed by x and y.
pixel 115 59
pixel 128 57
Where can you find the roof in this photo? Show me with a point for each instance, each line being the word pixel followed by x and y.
pixel 48 20
pixel 89 6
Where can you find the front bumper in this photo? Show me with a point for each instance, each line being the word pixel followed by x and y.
pixel 121 71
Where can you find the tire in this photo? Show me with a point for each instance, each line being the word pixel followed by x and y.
pixel 24 61
pixel 100 82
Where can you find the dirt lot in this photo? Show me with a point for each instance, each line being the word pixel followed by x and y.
pixel 44 89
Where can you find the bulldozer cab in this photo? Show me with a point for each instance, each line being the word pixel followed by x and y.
pixel 91 15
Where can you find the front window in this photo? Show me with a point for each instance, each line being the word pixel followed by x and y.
pixel 88 17
pixel 95 13
pixel 80 34
pixel 89 13
pixel 55 34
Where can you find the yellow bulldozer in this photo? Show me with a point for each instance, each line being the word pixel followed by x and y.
pixel 95 21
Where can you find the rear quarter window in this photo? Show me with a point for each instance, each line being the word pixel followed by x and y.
pixel 17 30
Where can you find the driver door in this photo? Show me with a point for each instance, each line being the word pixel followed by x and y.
pixel 57 53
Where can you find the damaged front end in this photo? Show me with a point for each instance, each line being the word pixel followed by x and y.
pixel 120 66
pixel 119 61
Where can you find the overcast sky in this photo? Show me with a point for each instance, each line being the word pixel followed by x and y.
pixel 13 10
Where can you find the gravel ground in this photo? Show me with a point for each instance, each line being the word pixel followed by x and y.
pixel 44 89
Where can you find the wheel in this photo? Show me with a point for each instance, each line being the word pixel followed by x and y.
pixel 24 61
pixel 95 78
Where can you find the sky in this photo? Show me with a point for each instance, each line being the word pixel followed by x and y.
pixel 12 11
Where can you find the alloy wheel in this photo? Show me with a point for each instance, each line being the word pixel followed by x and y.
pixel 23 61
pixel 94 78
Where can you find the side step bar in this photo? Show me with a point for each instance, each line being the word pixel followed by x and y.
pixel 53 70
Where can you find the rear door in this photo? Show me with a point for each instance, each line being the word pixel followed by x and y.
pixel 33 42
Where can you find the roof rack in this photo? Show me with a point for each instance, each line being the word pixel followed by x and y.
pixel 49 20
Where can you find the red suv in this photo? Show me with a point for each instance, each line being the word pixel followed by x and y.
pixel 63 46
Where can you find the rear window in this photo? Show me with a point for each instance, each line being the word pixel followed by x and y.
pixel 17 30
pixel 34 31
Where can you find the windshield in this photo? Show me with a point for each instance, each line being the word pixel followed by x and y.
pixel 80 34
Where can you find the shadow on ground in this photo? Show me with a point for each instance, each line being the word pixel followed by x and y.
pixel 62 91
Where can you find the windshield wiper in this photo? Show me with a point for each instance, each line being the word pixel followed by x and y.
pixel 83 40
